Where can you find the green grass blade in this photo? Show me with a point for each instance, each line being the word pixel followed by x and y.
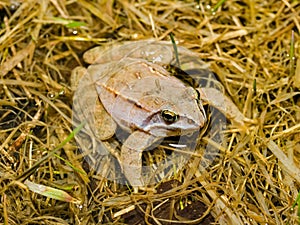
pixel 31 170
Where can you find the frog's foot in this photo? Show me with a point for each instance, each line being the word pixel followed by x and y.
pixel 131 156
pixel 221 102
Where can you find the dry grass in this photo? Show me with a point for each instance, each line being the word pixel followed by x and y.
pixel 248 45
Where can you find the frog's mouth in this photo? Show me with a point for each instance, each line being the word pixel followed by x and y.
pixel 163 131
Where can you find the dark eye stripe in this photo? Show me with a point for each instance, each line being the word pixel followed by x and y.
pixel 198 94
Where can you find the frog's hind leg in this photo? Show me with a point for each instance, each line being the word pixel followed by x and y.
pixel 131 156
pixel 150 50
pixel 88 106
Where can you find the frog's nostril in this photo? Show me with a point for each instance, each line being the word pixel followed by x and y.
pixel 190 121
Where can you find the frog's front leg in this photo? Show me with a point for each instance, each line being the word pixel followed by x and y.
pixel 131 156
pixel 221 102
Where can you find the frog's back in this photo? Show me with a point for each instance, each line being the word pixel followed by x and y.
pixel 137 91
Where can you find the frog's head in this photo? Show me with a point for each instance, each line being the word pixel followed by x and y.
pixel 180 114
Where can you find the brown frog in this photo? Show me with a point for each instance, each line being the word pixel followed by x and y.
pixel 129 85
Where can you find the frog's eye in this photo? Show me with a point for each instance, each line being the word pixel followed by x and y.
pixel 169 116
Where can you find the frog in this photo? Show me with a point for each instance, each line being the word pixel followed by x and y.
pixel 130 86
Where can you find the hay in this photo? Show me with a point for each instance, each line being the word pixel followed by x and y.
pixel 251 45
